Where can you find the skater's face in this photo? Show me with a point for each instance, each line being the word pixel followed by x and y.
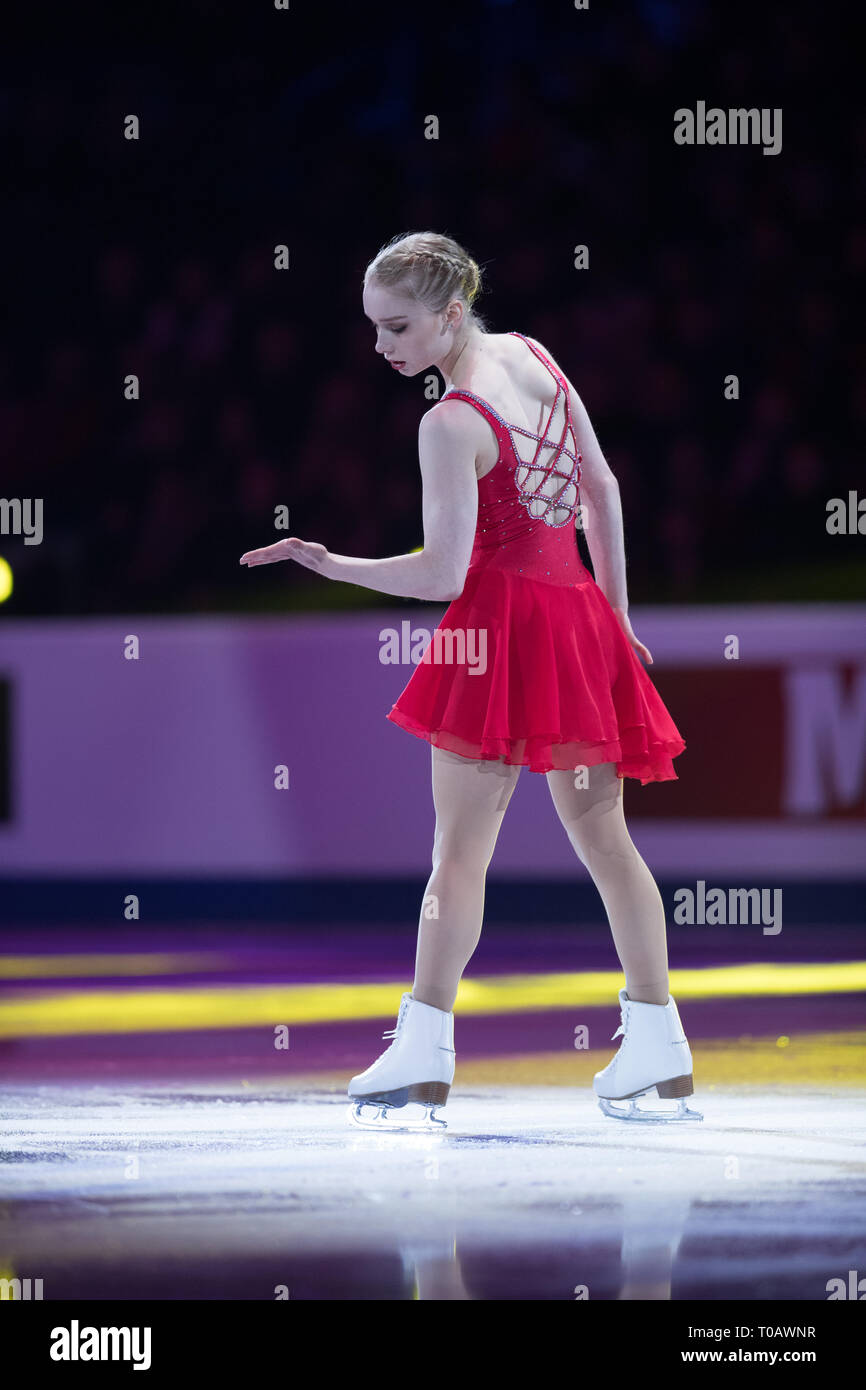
pixel 407 334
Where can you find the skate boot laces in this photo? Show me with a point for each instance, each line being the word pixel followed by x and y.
pixel 395 1032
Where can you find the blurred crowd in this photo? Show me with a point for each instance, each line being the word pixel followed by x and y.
pixel 261 388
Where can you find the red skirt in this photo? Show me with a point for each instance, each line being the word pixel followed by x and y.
pixel 539 675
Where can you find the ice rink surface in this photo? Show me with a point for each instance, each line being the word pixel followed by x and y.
pixel 231 1191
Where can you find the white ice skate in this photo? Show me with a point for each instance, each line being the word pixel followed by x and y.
pixel 654 1055
pixel 417 1068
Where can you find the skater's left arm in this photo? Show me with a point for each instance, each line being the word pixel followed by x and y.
pixel 603 524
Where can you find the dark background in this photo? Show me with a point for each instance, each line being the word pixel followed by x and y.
pixel 262 387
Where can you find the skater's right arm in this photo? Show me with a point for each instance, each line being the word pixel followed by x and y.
pixel 449 504
pixel 437 571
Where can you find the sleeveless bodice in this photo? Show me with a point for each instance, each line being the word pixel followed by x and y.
pixel 520 527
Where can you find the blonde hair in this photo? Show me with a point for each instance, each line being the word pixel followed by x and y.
pixel 430 268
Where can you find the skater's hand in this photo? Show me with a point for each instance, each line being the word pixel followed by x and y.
pixel 625 623
pixel 307 553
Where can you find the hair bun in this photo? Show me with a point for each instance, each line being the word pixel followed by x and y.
pixel 473 280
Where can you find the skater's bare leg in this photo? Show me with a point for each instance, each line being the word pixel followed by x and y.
pixel 594 822
pixel 470 799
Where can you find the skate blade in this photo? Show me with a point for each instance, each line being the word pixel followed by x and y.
pixel 630 1110
pixel 389 1120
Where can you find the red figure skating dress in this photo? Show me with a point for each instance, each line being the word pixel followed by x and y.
pixel 529 665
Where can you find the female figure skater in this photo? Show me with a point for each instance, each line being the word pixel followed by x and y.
pixel 510 464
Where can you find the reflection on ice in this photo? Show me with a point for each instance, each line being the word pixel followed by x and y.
pixel 530 1193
